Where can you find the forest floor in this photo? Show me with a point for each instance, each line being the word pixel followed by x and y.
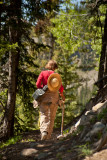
pixel 30 147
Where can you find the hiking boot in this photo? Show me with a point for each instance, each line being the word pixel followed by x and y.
pixel 44 135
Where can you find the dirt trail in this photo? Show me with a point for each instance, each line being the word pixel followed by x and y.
pixel 66 149
pixel 36 149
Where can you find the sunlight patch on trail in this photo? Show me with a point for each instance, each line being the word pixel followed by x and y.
pixel 28 151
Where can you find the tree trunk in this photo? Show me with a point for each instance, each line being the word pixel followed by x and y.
pixel 52 45
pixel 14 35
pixel 103 58
pixel 10 108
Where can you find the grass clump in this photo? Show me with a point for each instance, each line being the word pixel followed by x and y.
pixel 12 140
pixel 102 114
pixel 85 150
pixel 59 156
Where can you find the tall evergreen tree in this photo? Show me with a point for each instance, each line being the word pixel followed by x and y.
pixel 98 10
pixel 17 18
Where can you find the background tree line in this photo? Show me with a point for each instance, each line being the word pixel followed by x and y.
pixel 71 29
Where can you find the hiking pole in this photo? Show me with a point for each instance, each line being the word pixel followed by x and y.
pixel 62 123
pixel 62 120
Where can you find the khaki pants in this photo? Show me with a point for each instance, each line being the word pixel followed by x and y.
pixel 48 106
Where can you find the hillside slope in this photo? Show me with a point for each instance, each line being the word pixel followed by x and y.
pixel 85 139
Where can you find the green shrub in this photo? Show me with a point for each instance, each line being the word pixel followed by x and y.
pixel 102 114
pixel 12 140
pixel 85 150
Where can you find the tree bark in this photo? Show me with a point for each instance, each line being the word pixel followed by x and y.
pixel 14 35
pixel 103 58
pixel 52 45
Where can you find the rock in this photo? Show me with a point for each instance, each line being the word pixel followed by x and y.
pixel 103 107
pixel 84 132
pixel 42 155
pixel 49 153
pixel 62 148
pixel 85 119
pixel 33 144
pixel 28 151
pixel 88 139
pixel 97 128
pixel 102 143
pixel 102 155
pixel 90 113
pixel 89 104
pixel 82 120
pixel 97 106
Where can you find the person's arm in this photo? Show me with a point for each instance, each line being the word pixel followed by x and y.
pixel 62 96
pixel 39 81
pixel 61 92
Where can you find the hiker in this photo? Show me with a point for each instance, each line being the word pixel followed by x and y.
pixel 48 103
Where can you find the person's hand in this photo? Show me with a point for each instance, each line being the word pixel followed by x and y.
pixel 35 104
pixel 62 96
pixel 61 103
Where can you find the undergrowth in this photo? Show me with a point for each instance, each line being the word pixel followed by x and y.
pixel 12 140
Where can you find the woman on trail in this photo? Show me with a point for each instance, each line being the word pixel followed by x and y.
pixel 48 103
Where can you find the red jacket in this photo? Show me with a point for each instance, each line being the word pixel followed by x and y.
pixel 42 79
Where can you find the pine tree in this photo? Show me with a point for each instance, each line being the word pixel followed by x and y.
pixel 98 14
pixel 17 18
